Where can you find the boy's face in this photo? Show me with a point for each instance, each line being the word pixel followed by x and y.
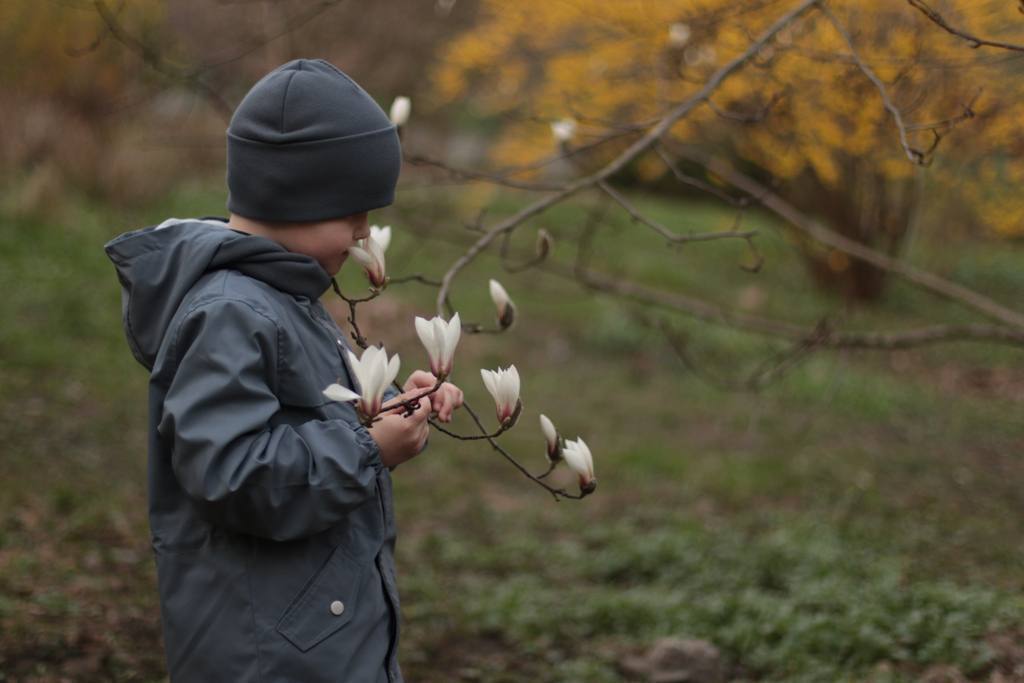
pixel 326 241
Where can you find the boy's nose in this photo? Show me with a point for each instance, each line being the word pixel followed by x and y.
pixel 362 230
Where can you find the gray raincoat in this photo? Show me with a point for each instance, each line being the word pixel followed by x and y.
pixel 270 509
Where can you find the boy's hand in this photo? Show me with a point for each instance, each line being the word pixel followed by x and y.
pixel 444 401
pixel 399 437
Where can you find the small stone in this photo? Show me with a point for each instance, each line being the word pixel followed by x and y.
pixel 678 660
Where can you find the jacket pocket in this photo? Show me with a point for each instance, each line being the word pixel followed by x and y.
pixel 326 605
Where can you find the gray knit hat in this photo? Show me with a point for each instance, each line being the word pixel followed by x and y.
pixel 306 144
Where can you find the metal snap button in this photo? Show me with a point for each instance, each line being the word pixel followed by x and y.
pixel 337 607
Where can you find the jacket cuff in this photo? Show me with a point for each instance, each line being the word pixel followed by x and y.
pixel 370 448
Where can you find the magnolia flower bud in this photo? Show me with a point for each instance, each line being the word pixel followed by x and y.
pixel 502 301
pixel 578 458
pixel 551 436
pixel 400 109
pixel 544 243
pixel 504 387
pixel 563 130
pixel 440 339
pixel 678 34
pixel 373 372
pixel 369 252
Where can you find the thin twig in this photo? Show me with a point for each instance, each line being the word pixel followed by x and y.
pixel 916 156
pixel 672 237
pixel 152 58
pixel 972 40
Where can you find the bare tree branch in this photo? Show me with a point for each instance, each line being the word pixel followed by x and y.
pixel 769 370
pixel 928 281
pixel 152 58
pixel 916 156
pixel 677 302
pixel 671 237
pixel 972 40
pixel 697 183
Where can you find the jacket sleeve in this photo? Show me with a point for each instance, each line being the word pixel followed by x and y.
pixel 279 482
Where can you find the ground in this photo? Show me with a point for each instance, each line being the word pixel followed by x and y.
pixel 861 519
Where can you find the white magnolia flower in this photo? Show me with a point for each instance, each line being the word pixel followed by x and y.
pixel 578 458
pixel 440 339
pixel 503 302
pixel 374 373
pixel 382 235
pixel 551 436
pixel 400 109
pixel 370 254
pixel 678 34
pixel 504 387
pixel 564 130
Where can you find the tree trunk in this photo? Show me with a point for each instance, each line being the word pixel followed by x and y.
pixel 873 210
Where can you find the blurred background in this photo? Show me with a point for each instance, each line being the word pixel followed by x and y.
pixel 857 515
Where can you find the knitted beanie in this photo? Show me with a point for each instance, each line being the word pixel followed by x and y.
pixel 307 143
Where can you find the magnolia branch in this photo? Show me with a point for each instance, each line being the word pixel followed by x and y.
pixel 357 335
pixel 556 493
pixel 411 403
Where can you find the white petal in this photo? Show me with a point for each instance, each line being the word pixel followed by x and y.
pixel 375 375
pixel 498 294
pixel 437 330
pixel 548 427
pixel 376 250
pixel 452 336
pixel 588 459
pixel 381 236
pixel 392 371
pixel 362 256
pixel 513 383
pixel 574 459
pixel 491 382
pixel 357 368
pixel 425 331
pixel 336 392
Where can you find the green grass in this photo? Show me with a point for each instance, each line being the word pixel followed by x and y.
pixel 860 519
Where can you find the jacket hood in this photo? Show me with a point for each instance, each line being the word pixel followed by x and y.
pixel 158 265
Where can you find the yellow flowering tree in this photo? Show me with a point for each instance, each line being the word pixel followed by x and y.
pixel 843 113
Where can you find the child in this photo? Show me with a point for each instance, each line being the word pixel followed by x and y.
pixel 270 505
